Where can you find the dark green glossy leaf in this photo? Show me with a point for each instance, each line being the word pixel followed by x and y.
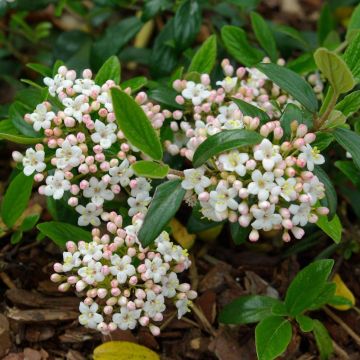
pixel 164 205
pixel 238 233
pixel 292 83
pixel 306 323
pixel 135 124
pixel 307 285
pixel 350 170
pixel 323 140
pixel 40 68
pixel 224 141
pixel 349 104
pixel 251 110
pixel 110 70
pixel 204 59
pixel 29 222
pixel 332 228
pixel 135 83
pixel 350 141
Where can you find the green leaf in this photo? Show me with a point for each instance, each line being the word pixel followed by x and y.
pixel 292 83
pixel 306 323
pixel 290 113
pixel 40 68
pixel 164 205
pixel 323 140
pixel 350 141
pixel 9 132
pixel 247 309
pixel 323 340
pixel 303 64
pixel 354 22
pixel 238 233
pixel 60 232
pixel 150 169
pixel 352 54
pixel 165 96
pixel 335 70
pixel 295 35
pixel 16 198
pixel 264 35
pixel 332 228
pixel 135 83
pixel 349 170
pixel 335 119
pixel 135 125
pixel 251 110
pixel 237 45
pixel 16 237
pixel 272 337
pixel 307 285
pixel 204 59
pixel 326 294
pixel 111 70
pixel 224 141
pixel 187 22
pixel 330 200
pixel 29 222
pixel 349 104
pixel 325 23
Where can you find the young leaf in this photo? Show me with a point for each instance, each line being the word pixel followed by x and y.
pixel 111 70
pixel 150 169
pixel 16 237
pixel 187 22
pixel 29 222
pixel 332 228
pixel 224 141
pixel 16 198
pixel 135 124
pixel 204 59
pixel 350 141
pixel 307 285
pixel 323 340
pixel 238 233
pixel 60 232
pixel 264 35
pixel 251 110
pixel 272 337
pixel 135 83
pixel 335 70
pixel 247 309
pixel 350 171
pixel 165 203
pixel 354 22
pixel 350 103
pixel 237 45
pixel 330 200
pixel 325 23
pixel 306 323
pixel 352 54
pixel 292 83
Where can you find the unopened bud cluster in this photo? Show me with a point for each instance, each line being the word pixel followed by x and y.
pixel 122 283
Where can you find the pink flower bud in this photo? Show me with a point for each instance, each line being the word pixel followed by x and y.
pixel 177 114
pixel 298 232
pixel 322 210
pixel 309 138
pixel 64 287
pixel 115 291
pixel 254 235
pixel 108 310
pixel 158 317
pixel 73 201
pixel 287 224
pixel 144 321
pixel 205 79
pixel 58 267
pixel 155 330
pixel 56 278
pixel 240 72
pixel 131 305
pixel 301 130
pixel 286 237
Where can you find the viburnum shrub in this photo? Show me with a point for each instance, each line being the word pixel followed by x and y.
pixel 240 142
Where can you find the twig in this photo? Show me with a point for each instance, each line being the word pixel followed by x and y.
pixel 340 351
pixel 204 321
pixel 346 327
pixel 7 281
pixel 168 321
pixel 194 275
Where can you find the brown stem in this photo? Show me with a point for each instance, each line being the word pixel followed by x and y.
pixel 320 121
pixel 176 172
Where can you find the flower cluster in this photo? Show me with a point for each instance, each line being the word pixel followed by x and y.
pixel 84 157
pixel 123 283
pixel 267 186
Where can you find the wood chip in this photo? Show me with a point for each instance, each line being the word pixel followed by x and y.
pixel 42 315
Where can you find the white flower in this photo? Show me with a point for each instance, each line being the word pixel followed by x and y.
pixel 91 251
pixel 183 307
pixel 33 161
pixel 223 198
pixel 89 214
pixel 68 156
pixel 169 285
pixel 228 83
pixel 315 189
pixel 91 273
pixel 210 213
pixel 104 134
pixel 142 185
pixel 70 260
pixel 195 92
pixel 57 85
pixel 301 213
pixel 86 87
pixel 126 319
pixel 41 117
pixel 155 269
pixel 76 107
pixel 265 219
pixel 234 161
pixel 56 185
pixel 231 117
pixel 89 316
pixel 97 192
pixel 195 179
pixel 122 267
pixel 167 249
pixel 268 153
pixel 287 188
pixel 121 174
pixel 261 185
pixel 105 99
pixel 154 304
pixel 312 156
pixel 139 203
